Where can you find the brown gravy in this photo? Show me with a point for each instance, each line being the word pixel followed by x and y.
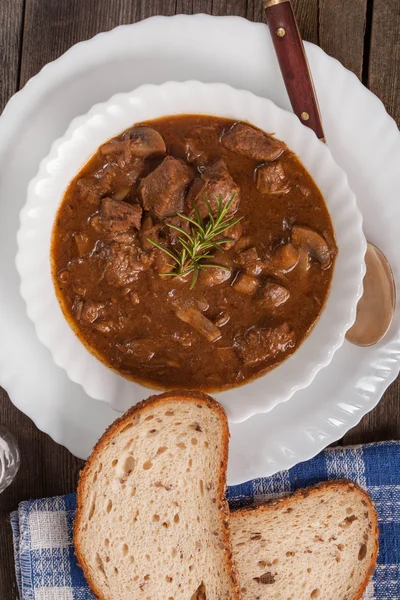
pixel 237 322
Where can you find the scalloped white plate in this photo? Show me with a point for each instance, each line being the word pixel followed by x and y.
pixel 363 139
pixel 70 152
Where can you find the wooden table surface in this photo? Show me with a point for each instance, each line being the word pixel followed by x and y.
pixel 363 34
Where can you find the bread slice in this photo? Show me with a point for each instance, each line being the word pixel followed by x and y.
pixel 152 521
pixel 321 542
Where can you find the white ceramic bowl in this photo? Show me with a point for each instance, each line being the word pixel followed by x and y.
pixel 67 156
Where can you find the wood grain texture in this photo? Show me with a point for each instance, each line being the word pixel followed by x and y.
pixel 307 12
pixel 384 56
pixel 294 67
pixel 75 20
pixel 382 423
pixel 48 469
pixel 50 28
pixel 341 31
pixel 11 20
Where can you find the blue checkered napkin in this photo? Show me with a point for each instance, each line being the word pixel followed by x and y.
pixel 46 567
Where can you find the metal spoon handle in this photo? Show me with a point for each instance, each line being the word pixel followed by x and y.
pixel 293 62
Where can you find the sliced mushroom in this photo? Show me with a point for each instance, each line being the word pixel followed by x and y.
pixel 121 193
pixel 314 244
pixel 248 257
pixel 222 319
pixel 146 141
pixel 304 263
pixel 285 258
pixel 274 295
pixel 199 301
pixel 83 243
pixel 246 284
pixel 243 243
pixel 250 261
pixel 192 316
pixel 212 276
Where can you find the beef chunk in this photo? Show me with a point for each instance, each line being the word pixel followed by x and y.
pixel 112 180
pixel 124 262
pixel 215 182
pixel 87 311
pixel 141 141
pixel 116 217
pixel 163 191
pixel 258 345
pixel 116 180
pixel 200 138
pixel 274 295
pixel 92 311
pixel 243 139
pixel 271 179
pixel 89 190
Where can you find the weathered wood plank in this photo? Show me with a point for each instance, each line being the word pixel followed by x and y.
pixel 70 22
pixel 47 469
pixel 51 27
pixel 382 423
pixel 384 57
pixel 306 12
pixel 11 19
pixel 341 31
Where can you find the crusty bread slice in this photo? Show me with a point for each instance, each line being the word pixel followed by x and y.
pixel 321 542
pixel 152 521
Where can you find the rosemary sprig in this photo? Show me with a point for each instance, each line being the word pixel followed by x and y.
pixel 197 246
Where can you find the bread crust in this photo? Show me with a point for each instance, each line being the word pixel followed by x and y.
pixel 332 485
pixel 157 400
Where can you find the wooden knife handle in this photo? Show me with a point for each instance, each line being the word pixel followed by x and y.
pixel 293 63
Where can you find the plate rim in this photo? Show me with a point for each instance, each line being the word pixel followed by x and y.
pixel 299 370
pixel 384 381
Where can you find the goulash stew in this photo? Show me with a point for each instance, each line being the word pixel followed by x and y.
pixel 193 252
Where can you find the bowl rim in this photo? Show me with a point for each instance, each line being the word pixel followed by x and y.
pixel 82 138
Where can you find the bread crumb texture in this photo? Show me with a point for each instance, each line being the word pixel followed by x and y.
pixel 319 543
pixel 152 520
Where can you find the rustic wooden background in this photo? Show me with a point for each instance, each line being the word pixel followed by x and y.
pixel 363 34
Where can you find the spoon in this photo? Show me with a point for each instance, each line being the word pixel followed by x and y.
pixel 375 309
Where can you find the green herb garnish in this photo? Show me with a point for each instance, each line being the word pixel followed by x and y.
pixel 197 246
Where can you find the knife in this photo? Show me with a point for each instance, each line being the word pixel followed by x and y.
pixel 293 62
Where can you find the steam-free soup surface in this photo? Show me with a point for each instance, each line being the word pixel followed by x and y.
pixel 147 316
